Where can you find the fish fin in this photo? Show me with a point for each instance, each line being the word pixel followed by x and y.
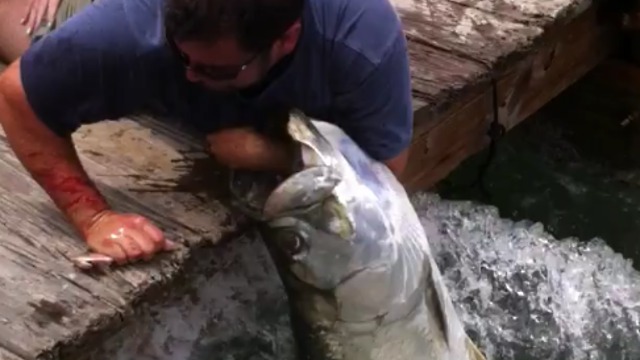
pixel 433 299
pixel 303 189
pixel 473 351
pixel 317 150
pixel 444 311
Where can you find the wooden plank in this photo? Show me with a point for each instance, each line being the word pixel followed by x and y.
pixel 430 69
pixel 467 32
pixel 543 14
pixel 531 50
pixel 5 355
pixel 569 53
pixel 46 304
pixel 456 134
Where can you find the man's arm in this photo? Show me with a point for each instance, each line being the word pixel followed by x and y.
pixel 86 71
pixel 50 159
pixel 373 103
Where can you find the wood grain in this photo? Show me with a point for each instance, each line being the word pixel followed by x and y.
pixel 141 166
pixel 558 63
pixel 463 52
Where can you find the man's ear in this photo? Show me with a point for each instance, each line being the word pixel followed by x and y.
pixel 288 41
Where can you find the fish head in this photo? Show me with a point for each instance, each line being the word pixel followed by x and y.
pixel 319 229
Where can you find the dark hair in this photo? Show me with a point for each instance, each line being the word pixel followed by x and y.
pixel 255 24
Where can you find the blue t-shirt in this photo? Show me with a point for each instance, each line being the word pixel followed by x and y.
pixel 110 60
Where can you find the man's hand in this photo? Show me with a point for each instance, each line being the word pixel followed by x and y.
pixel 244 148
pixel 125 237
pixel 37 11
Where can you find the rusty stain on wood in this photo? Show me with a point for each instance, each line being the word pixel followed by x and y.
pixel 525 51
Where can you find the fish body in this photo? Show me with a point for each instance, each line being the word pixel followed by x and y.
pixel 352 254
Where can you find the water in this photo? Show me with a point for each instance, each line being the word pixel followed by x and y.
pixel 233 308
pixel 522 294
pixel 572 167
pixel 525 295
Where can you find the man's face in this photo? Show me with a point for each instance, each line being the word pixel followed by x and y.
pixel 224 65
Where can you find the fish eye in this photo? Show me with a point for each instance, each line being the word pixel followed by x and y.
pixel 292 242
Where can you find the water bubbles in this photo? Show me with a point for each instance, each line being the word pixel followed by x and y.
pixel 524 295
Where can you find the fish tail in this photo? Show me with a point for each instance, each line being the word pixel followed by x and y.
pixel 473 351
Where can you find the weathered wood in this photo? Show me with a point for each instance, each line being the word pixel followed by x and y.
pixel 525 51
pixel 46 306
pixel 570 52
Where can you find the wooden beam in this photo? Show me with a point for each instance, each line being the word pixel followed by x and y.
pixel 568 52
pixel 463 52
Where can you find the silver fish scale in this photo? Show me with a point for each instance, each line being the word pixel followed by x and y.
pixel 351 251
pixel 412 328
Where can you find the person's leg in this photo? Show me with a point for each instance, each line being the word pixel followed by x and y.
pixel 13 35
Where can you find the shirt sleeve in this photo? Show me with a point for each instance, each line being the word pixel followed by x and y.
pixel 376 108
pixel 93 67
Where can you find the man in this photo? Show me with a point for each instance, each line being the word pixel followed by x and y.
pixel 221 65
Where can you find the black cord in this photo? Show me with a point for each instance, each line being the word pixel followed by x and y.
pixel 495 132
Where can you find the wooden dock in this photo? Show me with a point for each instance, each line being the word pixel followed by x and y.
pixel 478 61
pixel 472 61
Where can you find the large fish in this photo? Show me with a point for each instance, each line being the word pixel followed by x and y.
pixel 354 259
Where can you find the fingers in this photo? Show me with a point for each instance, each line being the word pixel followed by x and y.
pixel 169 245
pixel 37 11
pixel 33 17
pixel 52 9
pixel 40 9
pixel 127 238
pixel 112 249
pixel 154 234
pixel 27 16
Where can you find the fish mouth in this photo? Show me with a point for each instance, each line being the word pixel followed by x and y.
pixel 265 195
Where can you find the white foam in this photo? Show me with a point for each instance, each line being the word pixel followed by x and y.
pixel 524 295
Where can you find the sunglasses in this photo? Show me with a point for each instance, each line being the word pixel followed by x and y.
pixel 214 73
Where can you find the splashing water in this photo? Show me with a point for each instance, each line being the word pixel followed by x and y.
pixel 521 293
pixel 524 295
